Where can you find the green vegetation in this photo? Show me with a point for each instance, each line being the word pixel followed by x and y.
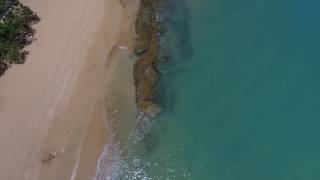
pixel 16 32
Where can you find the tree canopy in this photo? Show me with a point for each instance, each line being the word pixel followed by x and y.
pixel 16 32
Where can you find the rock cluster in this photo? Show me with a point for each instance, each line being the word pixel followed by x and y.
pixel 147 45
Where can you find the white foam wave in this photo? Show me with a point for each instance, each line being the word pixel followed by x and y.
pixel 109 165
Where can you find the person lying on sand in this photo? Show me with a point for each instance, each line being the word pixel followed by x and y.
pixel 52 156
pixel 123 4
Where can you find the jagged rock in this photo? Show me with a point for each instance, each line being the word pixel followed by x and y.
pixel 147 45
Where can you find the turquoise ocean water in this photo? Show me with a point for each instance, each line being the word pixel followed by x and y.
pixel 240 92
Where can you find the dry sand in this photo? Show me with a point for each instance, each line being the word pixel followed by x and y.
pixel 47 104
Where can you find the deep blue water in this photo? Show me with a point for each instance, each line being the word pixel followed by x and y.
pixel 241 93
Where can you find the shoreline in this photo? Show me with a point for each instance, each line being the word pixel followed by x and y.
pixel 117 69
pixel 97 135
pixel 123 100
pixel 56 90
pixel 74 70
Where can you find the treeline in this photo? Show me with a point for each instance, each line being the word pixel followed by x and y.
pixel 16 32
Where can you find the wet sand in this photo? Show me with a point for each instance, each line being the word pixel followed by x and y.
pixel 55 100
pixel 118 88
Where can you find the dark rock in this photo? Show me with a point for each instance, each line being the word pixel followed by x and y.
pixel 147 48
pixel 140 52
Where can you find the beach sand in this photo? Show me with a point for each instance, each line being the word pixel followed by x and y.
pixel 52 108
pixel 118 91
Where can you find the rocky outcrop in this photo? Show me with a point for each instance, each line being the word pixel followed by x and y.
pixel 147 44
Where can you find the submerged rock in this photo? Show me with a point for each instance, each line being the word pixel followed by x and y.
pixel 150 109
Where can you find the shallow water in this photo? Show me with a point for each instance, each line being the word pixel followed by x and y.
pixel 240 94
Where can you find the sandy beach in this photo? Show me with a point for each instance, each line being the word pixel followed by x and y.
pixel 54 104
